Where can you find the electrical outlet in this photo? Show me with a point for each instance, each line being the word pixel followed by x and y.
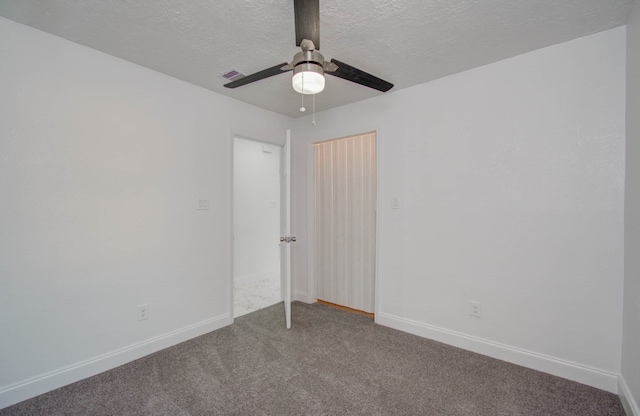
pixel 143 312
pixel 475 309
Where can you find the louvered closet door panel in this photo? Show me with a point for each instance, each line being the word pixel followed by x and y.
pixel 345 195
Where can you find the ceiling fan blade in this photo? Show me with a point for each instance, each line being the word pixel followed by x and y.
pixel 358 76
pixel 307 16
pixel 265 73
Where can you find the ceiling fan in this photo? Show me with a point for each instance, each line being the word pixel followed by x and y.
pixel 308 65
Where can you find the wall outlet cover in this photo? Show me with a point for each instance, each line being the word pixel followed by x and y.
pixel 143 312
pixel 475 309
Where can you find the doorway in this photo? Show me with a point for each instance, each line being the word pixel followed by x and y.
pixel 345 183
pixel 256 225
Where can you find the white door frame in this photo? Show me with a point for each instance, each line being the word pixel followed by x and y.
pixel 311 203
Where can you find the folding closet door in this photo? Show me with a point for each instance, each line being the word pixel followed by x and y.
pixel 345 221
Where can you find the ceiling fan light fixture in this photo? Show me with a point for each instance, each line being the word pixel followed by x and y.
pixel 308 78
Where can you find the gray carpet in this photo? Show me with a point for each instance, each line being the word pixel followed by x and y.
pixel 330 363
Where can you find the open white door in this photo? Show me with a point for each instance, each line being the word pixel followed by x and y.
pixel 285 228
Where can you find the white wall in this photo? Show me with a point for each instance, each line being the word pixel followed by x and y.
pixel 101 162
pixel 256 210
pixel 631 326
pixel 510 179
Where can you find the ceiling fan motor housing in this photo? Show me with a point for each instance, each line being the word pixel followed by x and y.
pixel 304 57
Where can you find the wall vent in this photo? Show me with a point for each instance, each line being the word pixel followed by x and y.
pixel 232 75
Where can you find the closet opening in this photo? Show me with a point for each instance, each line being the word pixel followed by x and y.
pixel 345 190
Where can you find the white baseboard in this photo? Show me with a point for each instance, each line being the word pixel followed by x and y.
pixel 626 397
pixel 300 296
pixel 594 377
pixel 35 386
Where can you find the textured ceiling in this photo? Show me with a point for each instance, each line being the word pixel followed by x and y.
pixel 406 42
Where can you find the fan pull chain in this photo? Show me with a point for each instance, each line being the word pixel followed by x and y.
pixel 302 109
pixel 313 122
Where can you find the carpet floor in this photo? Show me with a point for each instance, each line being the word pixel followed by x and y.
pixel 330 363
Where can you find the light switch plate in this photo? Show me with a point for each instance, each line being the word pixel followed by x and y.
pixel 202 203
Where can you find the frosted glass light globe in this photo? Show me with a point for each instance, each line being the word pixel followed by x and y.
pixel 308 79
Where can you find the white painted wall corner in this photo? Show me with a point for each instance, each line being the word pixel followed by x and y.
pixel 629 402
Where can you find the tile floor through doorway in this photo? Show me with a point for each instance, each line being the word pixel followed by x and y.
pixel 251 295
